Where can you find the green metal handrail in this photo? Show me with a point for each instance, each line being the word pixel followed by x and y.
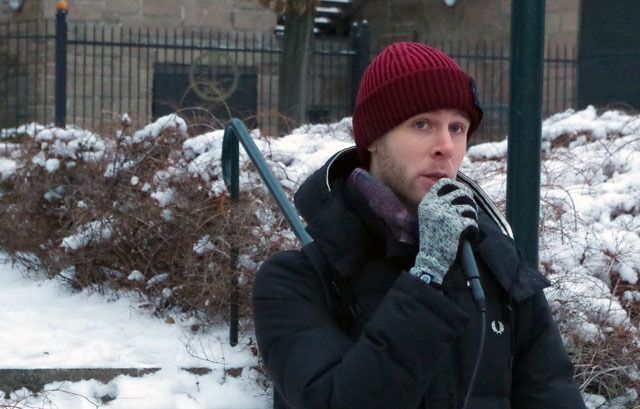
pixel 236 131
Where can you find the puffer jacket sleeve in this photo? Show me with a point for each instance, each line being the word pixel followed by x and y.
pixel 315 365
pixel 543 372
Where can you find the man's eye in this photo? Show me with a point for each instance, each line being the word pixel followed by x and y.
pixel 421 124
pixel 457 128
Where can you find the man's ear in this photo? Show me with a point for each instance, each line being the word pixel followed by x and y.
pixel 373 146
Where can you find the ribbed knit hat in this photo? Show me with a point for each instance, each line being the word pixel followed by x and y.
pixel 406 79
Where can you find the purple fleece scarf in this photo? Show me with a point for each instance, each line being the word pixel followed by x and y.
pixel 384 203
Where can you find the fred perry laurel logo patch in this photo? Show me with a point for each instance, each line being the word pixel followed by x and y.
pixel 497 327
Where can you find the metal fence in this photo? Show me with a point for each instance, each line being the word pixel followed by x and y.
pixel 211 76
pixel 25 57
pixel 148 72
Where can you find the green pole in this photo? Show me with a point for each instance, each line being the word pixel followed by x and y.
pixel 525 125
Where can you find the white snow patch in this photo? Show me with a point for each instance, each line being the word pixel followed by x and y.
pixel 164 197
pixel 8 168
pixel 204 245
pixel 153 130
pixel 94 232
pixel 135 275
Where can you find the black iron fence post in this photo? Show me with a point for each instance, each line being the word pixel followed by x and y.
pixel 359 43
pixel 61 65
pixel 234 298
pixel 525 125
pixel 233 153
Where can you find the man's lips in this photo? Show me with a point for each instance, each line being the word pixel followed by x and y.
pixel 434 175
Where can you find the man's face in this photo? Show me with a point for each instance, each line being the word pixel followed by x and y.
pixel 414 155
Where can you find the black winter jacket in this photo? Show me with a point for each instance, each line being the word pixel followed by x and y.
pixel 411 346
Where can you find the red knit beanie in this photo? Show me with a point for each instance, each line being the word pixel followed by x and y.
pixel 406 79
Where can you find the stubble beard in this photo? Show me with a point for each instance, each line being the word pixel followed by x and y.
pixel 395 176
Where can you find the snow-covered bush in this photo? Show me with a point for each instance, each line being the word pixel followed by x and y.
pixel 145 211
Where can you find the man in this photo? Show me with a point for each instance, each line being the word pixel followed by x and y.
pixel 376 312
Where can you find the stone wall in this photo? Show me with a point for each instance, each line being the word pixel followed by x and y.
pixel 467 21
pixel 562 23
pixel 223 15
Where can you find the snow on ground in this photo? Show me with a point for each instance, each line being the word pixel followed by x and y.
pixel 45 325
pixel 590 215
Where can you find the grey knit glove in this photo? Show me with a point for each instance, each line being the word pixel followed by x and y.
pixel 445 215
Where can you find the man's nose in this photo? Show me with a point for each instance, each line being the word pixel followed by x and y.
pixel 443 145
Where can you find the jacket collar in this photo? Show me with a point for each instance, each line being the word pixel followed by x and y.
pixel 315 193
pixel 340 219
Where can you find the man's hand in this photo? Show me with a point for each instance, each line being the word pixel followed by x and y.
pixel 446 214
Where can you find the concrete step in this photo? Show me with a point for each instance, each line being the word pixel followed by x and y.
pixel 35 379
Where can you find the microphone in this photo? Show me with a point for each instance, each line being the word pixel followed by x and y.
pixel 472 275
pixel 473 278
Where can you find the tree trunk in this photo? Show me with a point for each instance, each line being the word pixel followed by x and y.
pixel 295 65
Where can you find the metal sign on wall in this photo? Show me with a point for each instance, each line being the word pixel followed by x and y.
pixel 223 92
